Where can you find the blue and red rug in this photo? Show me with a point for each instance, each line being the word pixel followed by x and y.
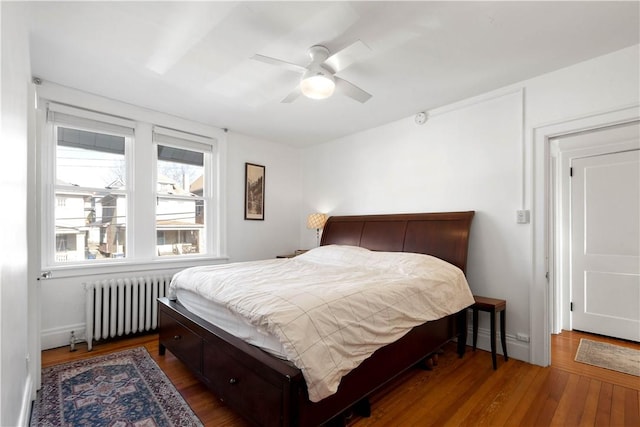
pixel 120 389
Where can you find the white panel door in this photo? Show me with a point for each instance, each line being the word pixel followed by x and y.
pixel 605 244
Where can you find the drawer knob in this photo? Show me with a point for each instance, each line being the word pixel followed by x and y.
pixel 176 337
pixel 233 381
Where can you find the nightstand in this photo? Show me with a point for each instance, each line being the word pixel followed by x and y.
pixel 491 306
pixel 293 255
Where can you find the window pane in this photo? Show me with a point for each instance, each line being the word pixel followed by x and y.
pixel 89 226
pixel 89 159
pixel 180 221
pixel 179 226
pixel 180 171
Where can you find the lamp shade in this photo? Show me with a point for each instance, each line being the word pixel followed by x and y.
pixel 317 84
pixel 316 220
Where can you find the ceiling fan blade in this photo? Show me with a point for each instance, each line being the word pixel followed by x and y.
pixel 292 96
pixel 347 56
pixel 273 61
pixel 351 90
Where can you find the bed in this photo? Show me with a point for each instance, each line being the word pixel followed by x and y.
pixel 269 390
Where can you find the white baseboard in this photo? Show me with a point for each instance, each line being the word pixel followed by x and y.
pixel 515 349
pixel 60 337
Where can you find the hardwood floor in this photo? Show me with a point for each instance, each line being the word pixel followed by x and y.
pixel 457 392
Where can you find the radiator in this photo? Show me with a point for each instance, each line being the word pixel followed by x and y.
pixel 117 307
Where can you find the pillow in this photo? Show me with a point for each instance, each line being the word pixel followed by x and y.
pixel 410 264
pixel 405 263
pixel 337 255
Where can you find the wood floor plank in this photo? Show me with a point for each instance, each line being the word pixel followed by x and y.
pixel 617 406
pixel 502 408
pixel 631 408
pixel 588 416
pixel 603 413
pixel 475 403
pixel 533 402
pixel 457 392
pixel 556 388
pixel 571 402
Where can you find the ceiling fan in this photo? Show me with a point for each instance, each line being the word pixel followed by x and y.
pixel 319 80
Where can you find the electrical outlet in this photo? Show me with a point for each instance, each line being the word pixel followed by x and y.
pixel 522 337
pixel 523 216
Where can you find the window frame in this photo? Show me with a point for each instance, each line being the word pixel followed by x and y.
pixel 141 256
pixel 63 116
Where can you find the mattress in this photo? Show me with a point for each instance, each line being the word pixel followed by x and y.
pixel 229 321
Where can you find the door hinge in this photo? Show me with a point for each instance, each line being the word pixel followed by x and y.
pixel 571 306
pixel 570 171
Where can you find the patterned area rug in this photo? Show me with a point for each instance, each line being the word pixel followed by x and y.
pixel 121 389
pixel 609 356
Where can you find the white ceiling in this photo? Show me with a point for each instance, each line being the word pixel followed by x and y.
pixel 192 59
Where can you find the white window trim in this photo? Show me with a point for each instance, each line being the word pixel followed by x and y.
pixel 94 106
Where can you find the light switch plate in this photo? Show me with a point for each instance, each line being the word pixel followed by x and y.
pixel 523 216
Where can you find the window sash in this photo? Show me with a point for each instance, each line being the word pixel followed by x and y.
pixel 111 238
pixel 180 141
pixel 83 221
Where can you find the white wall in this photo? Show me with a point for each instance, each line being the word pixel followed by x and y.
pixel 468 159
pixel 469 156
pixel 278 233
pixel 15 379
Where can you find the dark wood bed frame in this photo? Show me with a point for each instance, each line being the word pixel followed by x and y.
pixel 268 391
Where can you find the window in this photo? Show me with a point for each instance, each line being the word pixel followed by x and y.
pixel 90 163
pixel 182 174
pixel 90 215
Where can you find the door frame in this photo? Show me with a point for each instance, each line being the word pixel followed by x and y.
pixel 544 286
pixel 563 217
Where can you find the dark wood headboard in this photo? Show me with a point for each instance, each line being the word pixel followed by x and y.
pixel 444 234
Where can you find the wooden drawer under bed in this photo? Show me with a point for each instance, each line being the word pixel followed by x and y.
pixel 184 343
pixel 252 382
pixel 258 398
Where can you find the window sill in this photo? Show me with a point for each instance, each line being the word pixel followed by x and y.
pixel 123 267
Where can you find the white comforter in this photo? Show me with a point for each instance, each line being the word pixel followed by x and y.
pixel 333 306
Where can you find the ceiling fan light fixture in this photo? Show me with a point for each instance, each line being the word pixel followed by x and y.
pixel 317 85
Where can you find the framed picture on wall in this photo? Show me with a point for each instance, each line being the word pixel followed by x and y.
pixel 253 191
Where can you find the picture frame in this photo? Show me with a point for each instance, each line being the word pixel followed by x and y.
pixel 254 185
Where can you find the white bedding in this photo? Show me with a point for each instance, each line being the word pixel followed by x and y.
pixel 333 306
pixel 229 321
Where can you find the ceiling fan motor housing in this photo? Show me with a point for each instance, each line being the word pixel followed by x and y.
pixel 318 71
pixel 318 54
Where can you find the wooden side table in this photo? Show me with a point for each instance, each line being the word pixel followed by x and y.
pixel 491 306
pixel 293 255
